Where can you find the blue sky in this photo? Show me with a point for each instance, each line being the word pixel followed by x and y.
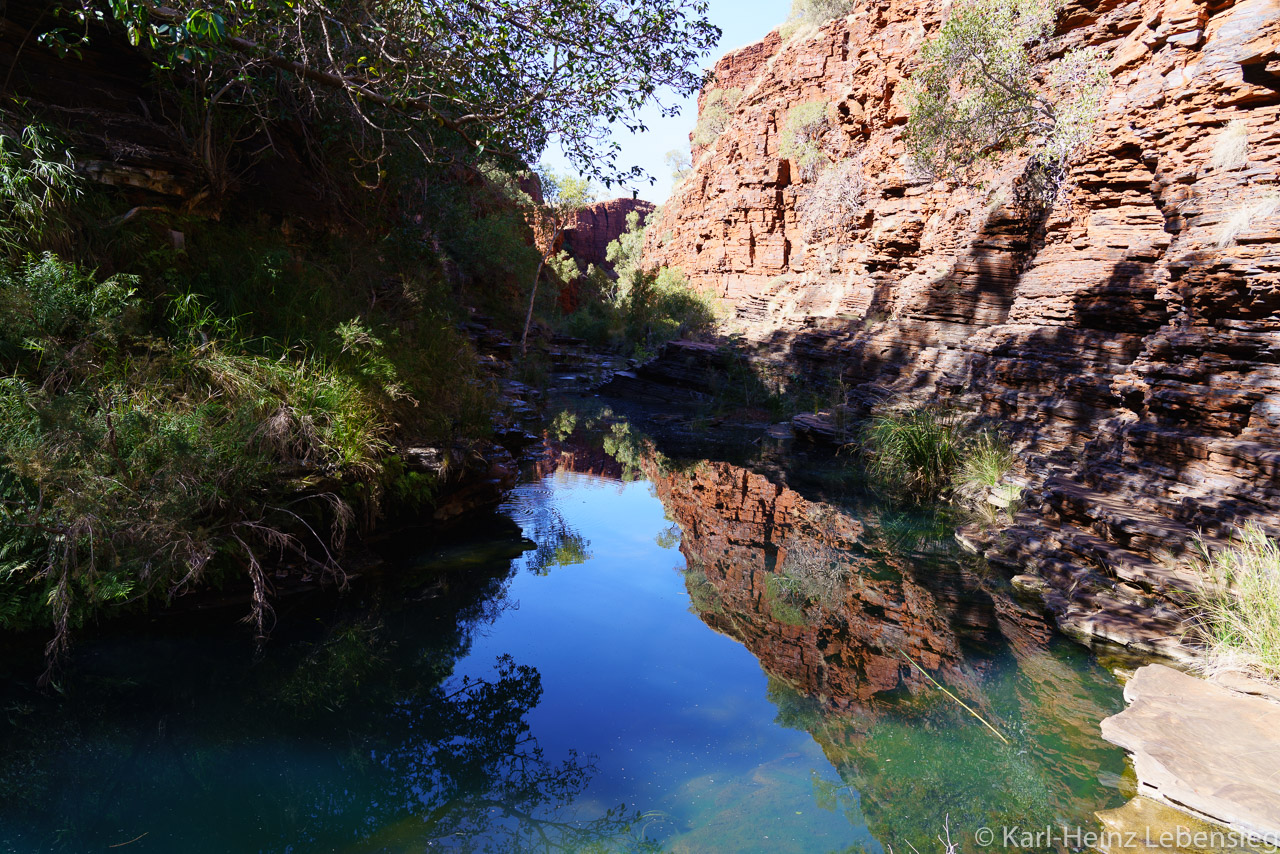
pixel 742 22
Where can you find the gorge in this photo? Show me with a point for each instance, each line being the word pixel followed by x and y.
pixel 641 587
pixel 1117 333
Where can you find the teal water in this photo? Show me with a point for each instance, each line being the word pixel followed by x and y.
pixel 606 665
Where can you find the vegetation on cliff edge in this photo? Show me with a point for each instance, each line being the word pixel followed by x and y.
pixel 976 93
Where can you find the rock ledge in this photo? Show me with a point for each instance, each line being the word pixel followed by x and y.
pixel 1203 748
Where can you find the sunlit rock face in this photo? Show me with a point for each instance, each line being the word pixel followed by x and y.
pixel 599 224
pixel 1128 334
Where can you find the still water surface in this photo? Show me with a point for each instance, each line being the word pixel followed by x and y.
pixel 654 664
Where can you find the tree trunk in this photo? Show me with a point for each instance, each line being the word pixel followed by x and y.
pixel 528 318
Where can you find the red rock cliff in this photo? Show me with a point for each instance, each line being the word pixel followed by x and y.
pixel 1131 347
pixel 598 225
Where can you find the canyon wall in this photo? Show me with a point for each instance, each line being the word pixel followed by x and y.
pixel 599 224
pixel 1128 335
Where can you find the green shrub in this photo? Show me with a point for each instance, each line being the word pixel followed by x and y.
pixel 976 93
pixel 928 454
pixel 785 600
pixel 916 453
pixel 704 597
pixel 1238 604
pixel 641 309
pixel 801 139
pixel 134 466
pixel 37 185
pixel 215 413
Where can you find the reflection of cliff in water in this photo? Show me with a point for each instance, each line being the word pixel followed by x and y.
pixel 834 601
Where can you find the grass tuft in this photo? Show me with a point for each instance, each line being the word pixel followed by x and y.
pixel 1243 218
pixel 1231 149
pixel 1237 604
pixel 915 452
pixel 988 459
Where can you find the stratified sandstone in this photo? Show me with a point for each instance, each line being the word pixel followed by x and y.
pixel 1135 358
pixel 598 225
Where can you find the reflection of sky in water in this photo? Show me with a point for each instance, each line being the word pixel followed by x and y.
pixel 676 714
pixel 346 738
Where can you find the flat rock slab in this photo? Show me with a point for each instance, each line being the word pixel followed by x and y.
pixel 1203 748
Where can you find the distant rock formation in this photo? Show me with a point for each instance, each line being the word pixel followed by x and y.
pixel 598 225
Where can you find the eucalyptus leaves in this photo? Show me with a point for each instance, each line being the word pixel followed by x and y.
pixel 495 76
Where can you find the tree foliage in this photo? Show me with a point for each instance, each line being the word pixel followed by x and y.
pixel 492 75
pixel 656 305
pixel 806 15
pixel 680 164
pixel 976 92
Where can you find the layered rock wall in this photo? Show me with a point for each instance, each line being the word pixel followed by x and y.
pixel 1128 336
pixel 598 225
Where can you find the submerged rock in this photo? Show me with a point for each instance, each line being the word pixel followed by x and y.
pixel 1144 826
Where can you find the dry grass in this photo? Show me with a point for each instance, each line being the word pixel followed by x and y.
pixel 814 572
pixel 1237 621
pixel 1231 149
pixel 1245 216
pixel 808 15
pixel 832 205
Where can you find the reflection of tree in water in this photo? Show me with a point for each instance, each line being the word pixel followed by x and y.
pixel 480 782
pixel 668 537
pixel 582 438
pixel 359 741
pixel 557 543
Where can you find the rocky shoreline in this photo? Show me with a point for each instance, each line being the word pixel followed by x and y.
pixel 1179 728
pixel 1204 748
